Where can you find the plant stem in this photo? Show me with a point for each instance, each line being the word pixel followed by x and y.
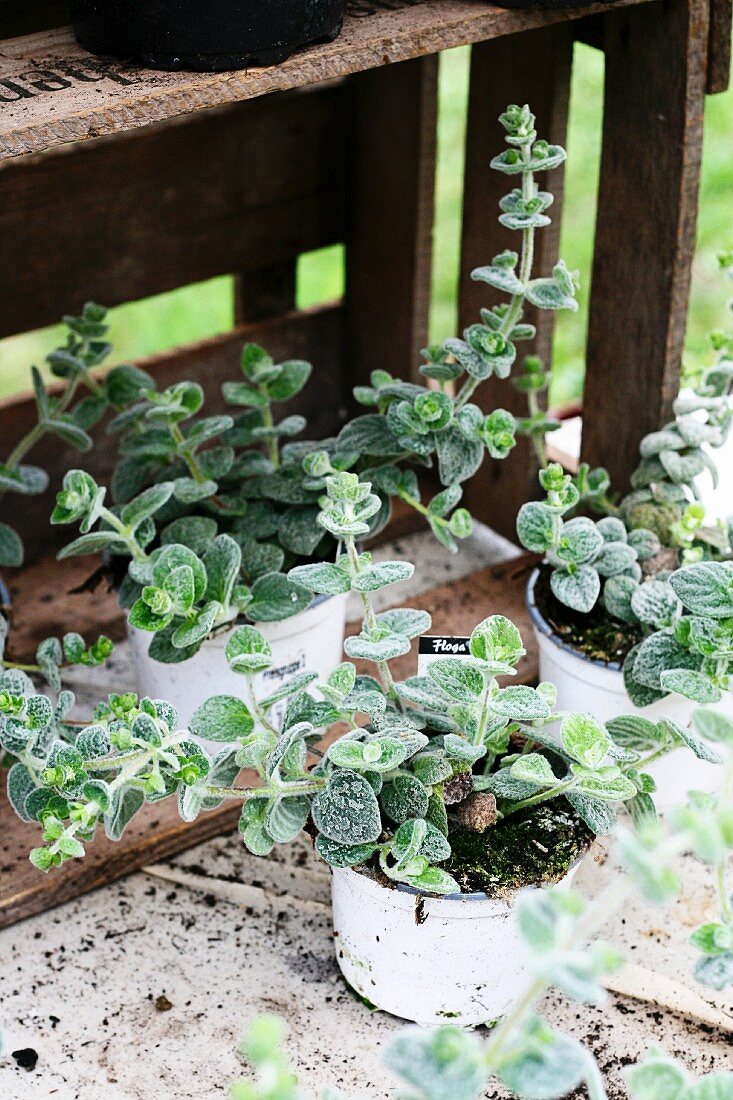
pixel 418 506
pixel 370 619
pixel 479 739
pixel 38 430
pixel 246 794
pixel 22 448
pixel 268 422
pixel 539 442
pixel 543 796
pixel 260 714
pixel 187 455
pixel 136 550
pixel 656 755
pixel 525 271
pixel 112 763
pixel 503 1032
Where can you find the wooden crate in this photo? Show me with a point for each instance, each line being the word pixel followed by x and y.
pixel 119 183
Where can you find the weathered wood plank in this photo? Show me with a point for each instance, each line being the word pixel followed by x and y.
pixel 252 186
pixel 49 598
pixel 156 835
pixel 316 335
pixel 531 68
pixel 159 833
pixel 719 48
pixel 645 232
pixel 46 98
pixel 391 194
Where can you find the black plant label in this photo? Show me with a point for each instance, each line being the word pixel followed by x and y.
pixel 433 647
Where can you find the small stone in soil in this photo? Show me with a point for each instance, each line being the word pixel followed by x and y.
pixel 477 812
pixel 535 845
pixel 457 788
pixel 26 1058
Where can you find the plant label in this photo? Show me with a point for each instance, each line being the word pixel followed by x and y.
pixel 435 646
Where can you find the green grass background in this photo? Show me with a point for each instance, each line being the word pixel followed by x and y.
pixel 198 311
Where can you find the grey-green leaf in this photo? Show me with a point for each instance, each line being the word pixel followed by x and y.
pixel 347 811
pixel 222 718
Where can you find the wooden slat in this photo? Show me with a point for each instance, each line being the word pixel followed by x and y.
pixel 232 191
pixel 590 31
pixel 49 598
pixel 719 49
pixel 159 833
pixel 316 335
pixel 645 232
pixel 267 292
pixel 38 114
pixel 532 68
pixel 391 193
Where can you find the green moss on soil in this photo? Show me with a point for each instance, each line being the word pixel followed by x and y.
pixel 533 846
pixel 596 634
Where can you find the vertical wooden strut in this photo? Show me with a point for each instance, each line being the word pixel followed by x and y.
pixel 391 204
pixel 656 60
pixel 268 292
pixel 719 46
pixel 530 68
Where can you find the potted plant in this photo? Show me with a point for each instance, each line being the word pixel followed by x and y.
pixel 653 530
pixel 429 810
pixel 208 514
pixel 611 628
pixel 223 34
pixel 559 928
pixel 411 426
pixel 234 498
pixel 68 414
pixel 244 478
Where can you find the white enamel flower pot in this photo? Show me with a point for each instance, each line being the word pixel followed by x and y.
pixel 456 959
pixel 597 687
pixel 311 641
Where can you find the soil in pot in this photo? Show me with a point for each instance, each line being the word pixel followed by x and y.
pixel 595 634
pixel 535 846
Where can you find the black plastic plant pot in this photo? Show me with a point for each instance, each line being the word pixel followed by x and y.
pixel 204 35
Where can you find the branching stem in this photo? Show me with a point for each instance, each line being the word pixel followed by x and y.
pixel 370 619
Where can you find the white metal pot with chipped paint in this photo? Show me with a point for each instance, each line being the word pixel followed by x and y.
pixel 310 641
pixel 455 959
pixel 597 687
